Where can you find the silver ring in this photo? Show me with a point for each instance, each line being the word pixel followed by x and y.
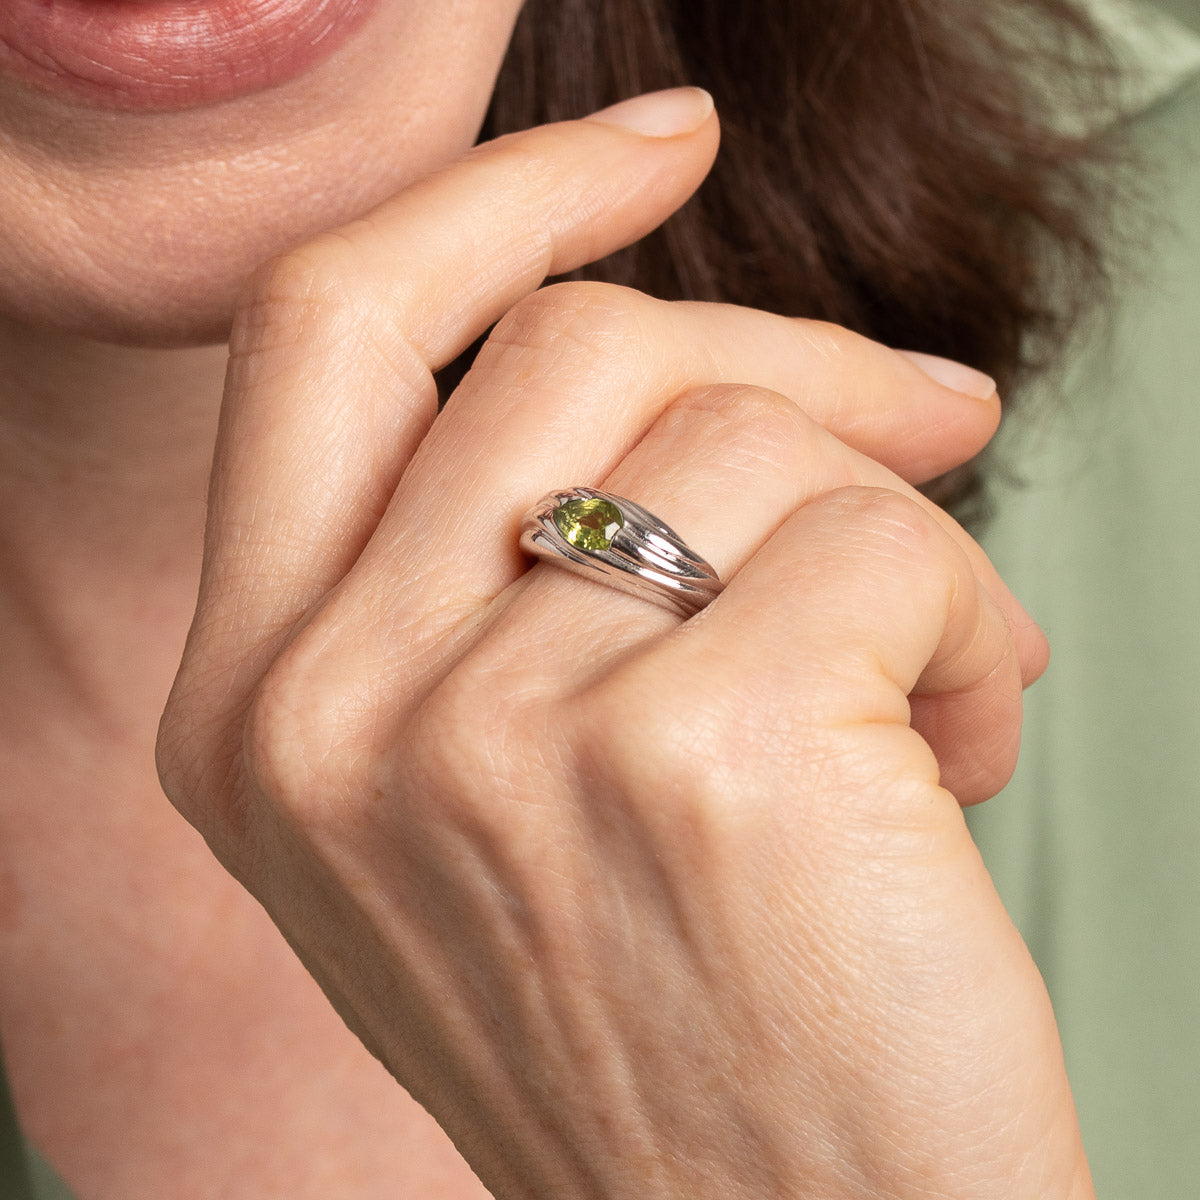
pixel 600 535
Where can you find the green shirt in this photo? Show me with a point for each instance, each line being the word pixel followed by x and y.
pixel 1095 846
pixel 24 1174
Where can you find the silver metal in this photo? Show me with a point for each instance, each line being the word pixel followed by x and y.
pixel 646 557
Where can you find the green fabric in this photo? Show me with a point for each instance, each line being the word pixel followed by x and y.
pixel 47 1184
pixel 24 1174
pixel 15 1182
pixel 1095 846
pixel 1153 52
pixel 1186 11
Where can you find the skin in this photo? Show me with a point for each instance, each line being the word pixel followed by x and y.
pixel 493 838
pixel 150 1010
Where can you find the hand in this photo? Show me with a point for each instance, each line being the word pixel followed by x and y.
pixel 634 907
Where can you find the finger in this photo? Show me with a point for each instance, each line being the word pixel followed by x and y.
pixel 492 455
pixel 725 467
pixel 975 733
pixel 574 375
pixel 572 348
pixel 732 465
pixel 330 386
pixel 858 600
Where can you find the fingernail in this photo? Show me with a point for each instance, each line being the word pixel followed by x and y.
pixel 660 114
pixel 955 375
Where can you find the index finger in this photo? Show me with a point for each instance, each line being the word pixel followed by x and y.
pixel 330 383
pixel 489 228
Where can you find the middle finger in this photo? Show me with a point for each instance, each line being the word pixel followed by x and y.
pixel 728 467
pixel 572 380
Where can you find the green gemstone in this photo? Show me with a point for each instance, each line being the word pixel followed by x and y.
pixel 589 524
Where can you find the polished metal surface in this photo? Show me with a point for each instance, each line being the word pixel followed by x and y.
pixel 645 556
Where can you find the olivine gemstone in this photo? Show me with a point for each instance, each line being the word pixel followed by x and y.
pixel 589 524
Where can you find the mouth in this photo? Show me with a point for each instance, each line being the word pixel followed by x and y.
pixel 169 54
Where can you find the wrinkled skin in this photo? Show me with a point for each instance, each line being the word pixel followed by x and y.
pixel 635 907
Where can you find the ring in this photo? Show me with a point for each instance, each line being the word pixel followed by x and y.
pixel 597 534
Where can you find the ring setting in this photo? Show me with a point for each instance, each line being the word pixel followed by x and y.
pixel 619 542
pixel 589 524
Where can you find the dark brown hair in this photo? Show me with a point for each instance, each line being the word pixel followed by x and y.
pixel 889 165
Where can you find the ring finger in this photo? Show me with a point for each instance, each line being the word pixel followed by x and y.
pixel 530 418
pixel 726 467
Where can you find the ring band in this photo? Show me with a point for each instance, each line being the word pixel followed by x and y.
pixel 598 534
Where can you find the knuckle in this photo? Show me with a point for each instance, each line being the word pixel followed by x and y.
pixel 273 740
pixel 303 737
pixel 671 764
pixel 198 760
pixel 193 752
pixel 701 778
pixel 176 753
pixel 471 757
pixel 523 152
pixel 844 367
pixel 898 542
pixel 740 404
pixel 833 342
pixel 443 743
pixel 600 318
pixel 323 302
pixel 293 287
pixel 745 424
pixel 889 519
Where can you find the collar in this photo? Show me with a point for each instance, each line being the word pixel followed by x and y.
pixel 1155 54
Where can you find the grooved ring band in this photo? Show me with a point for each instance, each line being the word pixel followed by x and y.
pixel 607 537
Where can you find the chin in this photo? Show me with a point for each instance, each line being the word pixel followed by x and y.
pixel 159 256
pixel 150 312
pixel 155 275
pixel 174 290
pixel 135 216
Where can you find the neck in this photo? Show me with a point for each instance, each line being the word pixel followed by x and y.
pixel 104 460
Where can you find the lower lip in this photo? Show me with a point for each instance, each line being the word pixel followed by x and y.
pixel 166 54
